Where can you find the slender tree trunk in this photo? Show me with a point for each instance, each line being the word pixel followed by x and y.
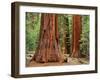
pixel 76 36
pixel 67 38
pixel 64 32
pixel 48 49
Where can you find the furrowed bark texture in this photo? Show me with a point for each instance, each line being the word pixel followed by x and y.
pixel 48 49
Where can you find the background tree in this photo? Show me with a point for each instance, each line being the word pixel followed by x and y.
pixel 32 30
pixel 64 26
pixel 84 45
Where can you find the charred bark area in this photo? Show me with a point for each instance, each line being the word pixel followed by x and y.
pixel 48 49
pixel 76 36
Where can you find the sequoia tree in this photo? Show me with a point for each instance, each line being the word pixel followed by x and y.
pixel 48 49
pixel 77 25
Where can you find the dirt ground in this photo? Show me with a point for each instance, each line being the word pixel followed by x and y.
pixel 70 61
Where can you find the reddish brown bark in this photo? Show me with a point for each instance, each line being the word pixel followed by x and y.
pixel 76 36
pixel 48 49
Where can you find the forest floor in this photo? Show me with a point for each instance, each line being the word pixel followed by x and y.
pixel 70 61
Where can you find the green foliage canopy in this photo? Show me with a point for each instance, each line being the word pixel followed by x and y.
pixel 32 30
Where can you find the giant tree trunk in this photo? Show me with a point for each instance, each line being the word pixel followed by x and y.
pixel 48 49
pixel 76 36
